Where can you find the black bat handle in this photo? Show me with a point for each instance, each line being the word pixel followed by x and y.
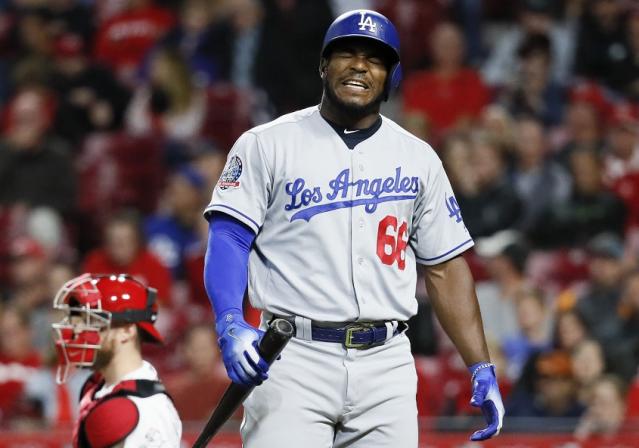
pixel 280 331
pixel 274 340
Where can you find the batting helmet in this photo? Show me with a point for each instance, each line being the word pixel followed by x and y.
pixel 370 25
pixel 93 303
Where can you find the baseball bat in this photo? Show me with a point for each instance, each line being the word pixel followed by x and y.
pixel 271 345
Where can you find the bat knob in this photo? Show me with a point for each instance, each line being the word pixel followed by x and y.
pixel 283 327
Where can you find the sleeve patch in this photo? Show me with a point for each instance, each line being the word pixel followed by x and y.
pixel 111 422
pixel 230 177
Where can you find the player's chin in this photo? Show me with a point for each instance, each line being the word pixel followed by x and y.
pixel 356 98
pixel 358 104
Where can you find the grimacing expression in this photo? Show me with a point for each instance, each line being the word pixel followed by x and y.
pixel 354 74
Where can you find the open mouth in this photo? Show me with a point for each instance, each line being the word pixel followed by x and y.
pixel 355 84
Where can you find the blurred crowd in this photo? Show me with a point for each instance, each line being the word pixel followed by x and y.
pixel 116 117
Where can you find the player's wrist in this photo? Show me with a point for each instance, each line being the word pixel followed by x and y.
pixel 480 368
pixel 228 317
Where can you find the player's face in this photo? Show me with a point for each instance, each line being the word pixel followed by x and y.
pixel 107 350
pixel 355 75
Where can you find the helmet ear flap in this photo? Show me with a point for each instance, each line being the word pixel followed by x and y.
pixel 395 76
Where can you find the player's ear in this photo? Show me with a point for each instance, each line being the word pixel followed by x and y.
pixel 322 67
pixel 129 332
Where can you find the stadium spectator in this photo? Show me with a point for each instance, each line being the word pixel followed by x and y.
pixel 622 151
pixel 534 93
pixel 90 99
pixel 606 411
pixel 540 183
pixel 204 37
pixel 27 274
pixel 582 129
pixel 535 17
pixel 246 19
pixel 505 255
pixel 629 314
pixel 570 330
pixel 547 389
pixel 625 71
pixel 57 404
pixel 173 231
pixel 588 365
pixel 601 42
pixel 203 370
pixel 122 41
pixel 33 35
pixel 29 267
pixel 291 36
pixel 534 336
pixel 72 17
pixel 169 104
pixel 210 165
pixel 627 189
pixel 416 21
pixel 588 211
pixel 497 122
pixel 35 168
pixel 456 156
pixel 488 201
pixel 449 94
pixel 598 305
pixel 18 362
pixel 124 251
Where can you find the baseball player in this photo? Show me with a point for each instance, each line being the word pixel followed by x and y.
pixel 123 404
pixel 330 208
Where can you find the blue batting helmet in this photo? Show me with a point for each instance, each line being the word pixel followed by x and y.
pixel 371 25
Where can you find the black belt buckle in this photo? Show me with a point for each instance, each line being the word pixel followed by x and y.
pixel 349 335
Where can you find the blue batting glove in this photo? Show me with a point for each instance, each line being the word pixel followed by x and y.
pixel 238 343
pixel 487 397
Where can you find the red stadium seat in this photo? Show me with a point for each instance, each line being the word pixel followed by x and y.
pixel 119 170
pixel 229 112
pixel 633 399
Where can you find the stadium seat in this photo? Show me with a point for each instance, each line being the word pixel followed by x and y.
pixel 119 170
pixel 229 111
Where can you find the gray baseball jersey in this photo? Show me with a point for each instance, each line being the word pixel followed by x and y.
pixel 339 230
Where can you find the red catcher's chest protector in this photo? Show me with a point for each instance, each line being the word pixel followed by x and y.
pixel 105 421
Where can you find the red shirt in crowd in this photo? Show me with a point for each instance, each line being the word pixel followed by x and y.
pixel 145 268
pixel 445 101
pixel 627 188
pixel 14 373
pixel 123 40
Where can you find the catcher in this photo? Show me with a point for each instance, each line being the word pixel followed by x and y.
pixel 123 404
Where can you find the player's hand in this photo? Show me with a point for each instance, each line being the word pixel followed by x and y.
pixel 238 343
pixel 487 397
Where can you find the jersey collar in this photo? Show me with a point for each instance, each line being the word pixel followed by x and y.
pixel 353 137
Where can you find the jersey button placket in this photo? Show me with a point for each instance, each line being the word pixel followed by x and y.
pixel 358 235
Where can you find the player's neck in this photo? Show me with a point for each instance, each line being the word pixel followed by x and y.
pixel 121 365
pixel 333 114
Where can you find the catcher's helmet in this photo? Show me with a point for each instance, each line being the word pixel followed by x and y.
pixel 371 25
pixel 93 303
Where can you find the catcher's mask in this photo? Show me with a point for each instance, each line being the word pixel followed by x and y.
pixel 91 305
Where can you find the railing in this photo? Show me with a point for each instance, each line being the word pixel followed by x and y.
pixel 448 432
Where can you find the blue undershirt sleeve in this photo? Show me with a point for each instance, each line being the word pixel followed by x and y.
pixel 226 263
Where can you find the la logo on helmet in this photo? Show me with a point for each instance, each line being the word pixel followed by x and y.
pixel 367 21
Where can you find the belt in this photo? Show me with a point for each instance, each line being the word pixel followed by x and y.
pixel 360 335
